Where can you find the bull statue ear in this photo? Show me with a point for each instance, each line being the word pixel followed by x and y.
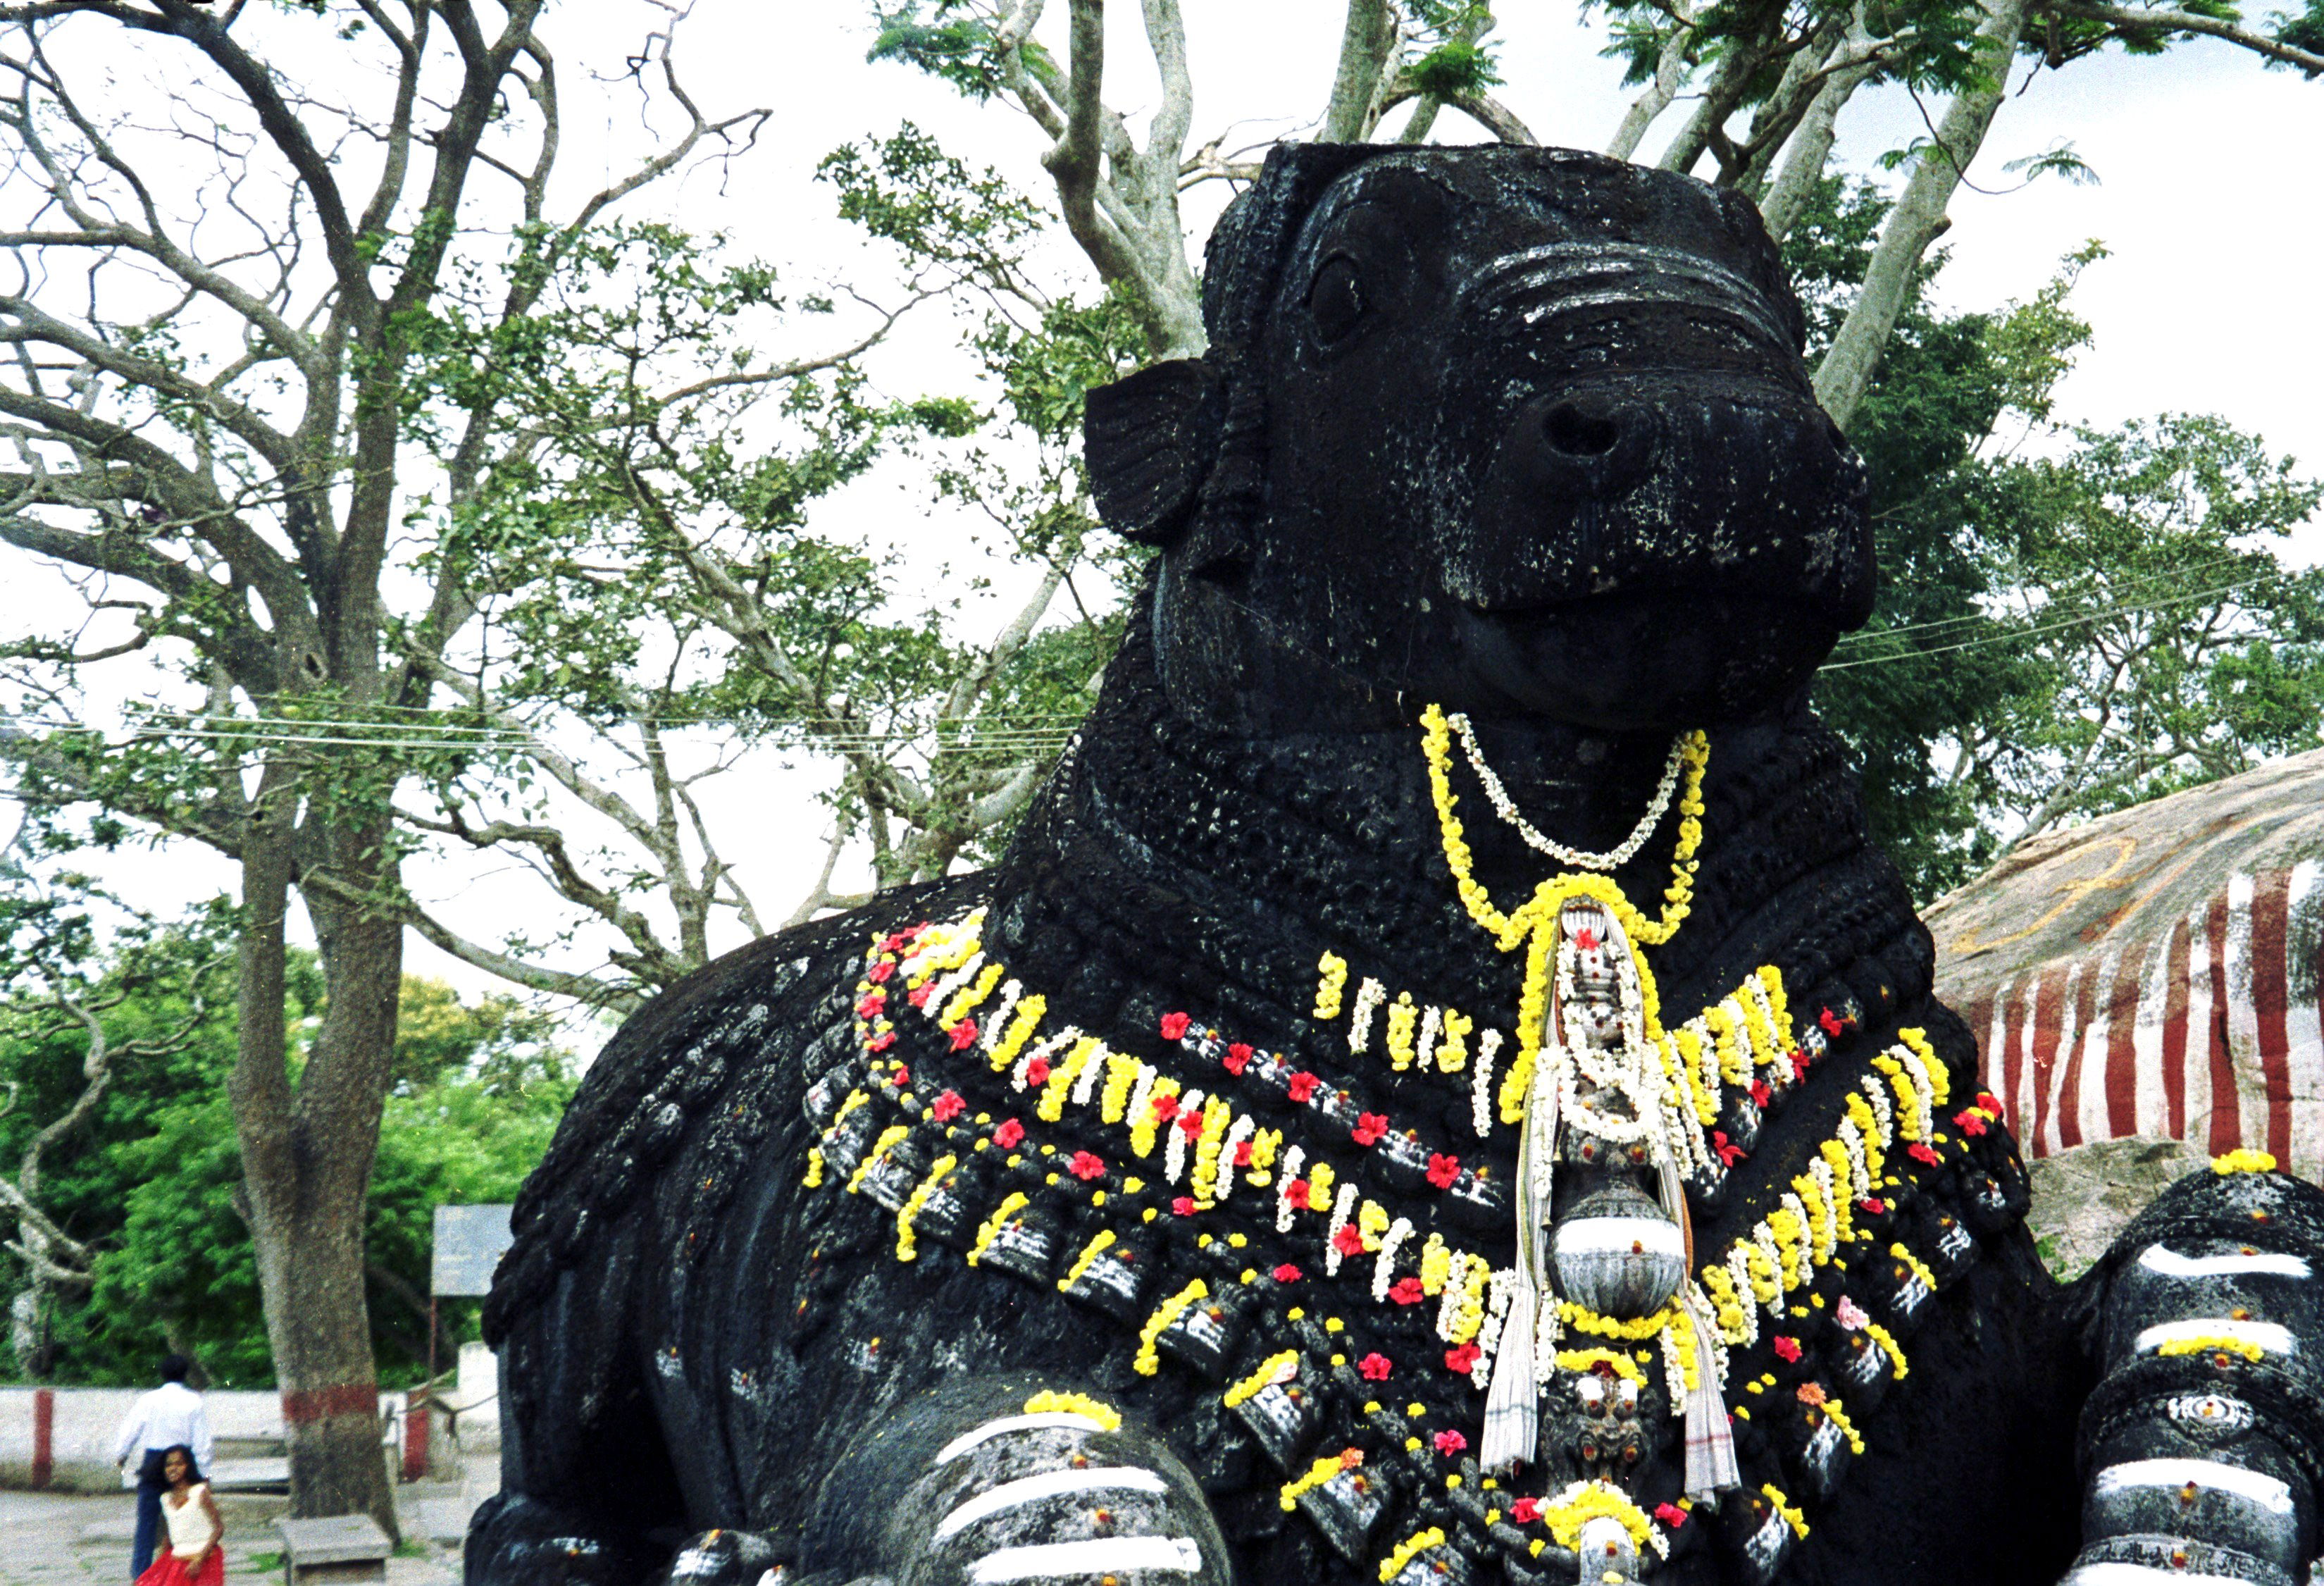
pixel 1150 440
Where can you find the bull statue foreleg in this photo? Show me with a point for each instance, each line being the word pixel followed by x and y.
pixel 2202 1447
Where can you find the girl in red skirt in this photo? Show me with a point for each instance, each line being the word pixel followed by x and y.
pixel 194 1557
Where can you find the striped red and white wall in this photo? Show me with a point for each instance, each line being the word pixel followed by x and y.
pixel 2156 973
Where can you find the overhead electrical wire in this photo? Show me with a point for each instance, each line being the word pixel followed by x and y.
pixel 1028 732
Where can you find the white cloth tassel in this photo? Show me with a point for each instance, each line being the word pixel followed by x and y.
pixel 1710 1467
pixel 1512 1418
pixel 1512 1404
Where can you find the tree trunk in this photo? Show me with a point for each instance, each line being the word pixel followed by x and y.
pixel 306 1156
pixel 1809 146
pixel 1918 218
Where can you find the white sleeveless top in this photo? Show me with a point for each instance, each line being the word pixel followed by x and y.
pixel 190 1531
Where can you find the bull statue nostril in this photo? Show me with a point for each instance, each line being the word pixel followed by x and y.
pixel 1578 434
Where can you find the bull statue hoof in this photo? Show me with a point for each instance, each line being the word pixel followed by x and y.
pixel 1441 1090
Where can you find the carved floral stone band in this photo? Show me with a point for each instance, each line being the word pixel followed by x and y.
pixel 1506 807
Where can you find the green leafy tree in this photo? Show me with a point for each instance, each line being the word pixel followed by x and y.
pixel 2068 621
pixel 1763 83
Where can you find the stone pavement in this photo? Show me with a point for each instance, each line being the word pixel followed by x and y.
pixel 67 1540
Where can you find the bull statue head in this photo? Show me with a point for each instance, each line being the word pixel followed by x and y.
pixel 1525 431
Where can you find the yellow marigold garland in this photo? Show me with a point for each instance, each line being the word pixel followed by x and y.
pixel 1887 1343
pixel 880 1147
pixel 1046 1402
pixel 1147 1362
pixel 1616 1361
pixel 1014 1202
pixel 1331 980
pixel 1090 1253
pixel 1405 1551
pixel 2212 1343
pixel 907 1247
pixel 1585 1501
pixel 2243 1160
pixel 1260 1380
pixel 1316 1474
pixel 1788 1509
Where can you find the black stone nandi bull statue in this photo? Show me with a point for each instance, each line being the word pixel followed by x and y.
pixel 1294 1162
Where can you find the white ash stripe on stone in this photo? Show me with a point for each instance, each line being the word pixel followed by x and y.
pixel 1007 1424
pixel 2248 1063
pixel 2206 1028
pixel 1012 1495
pixel 2169 1263
pixel 2113 1573
pixel 2304 1027
pixel 2151 1107
pixel 1105 1555
pixel 2268 1336
pixel 1600 1236
pixel 2204 1475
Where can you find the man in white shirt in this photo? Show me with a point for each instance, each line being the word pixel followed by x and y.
pixel 162 1420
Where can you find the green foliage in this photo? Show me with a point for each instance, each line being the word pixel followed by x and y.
pixel 152 1183
pixel 2056 635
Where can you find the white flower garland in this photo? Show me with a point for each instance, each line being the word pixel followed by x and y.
pixel 1283 1209
pixel 1456 1294
pixel 1369 997
pixel 1383 1264
pixel 1431 1026
pixel 1341 1204
pixel 998 1020
pixel 1044 1052
pixel 1506 807
pixel 1502 1287
pixel 1085 1083
pixel 1480 1086
pixel 1174 1150
pixel 941 992
pixel 1240 1130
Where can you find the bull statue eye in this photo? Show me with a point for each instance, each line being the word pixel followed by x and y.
pixel 1335 300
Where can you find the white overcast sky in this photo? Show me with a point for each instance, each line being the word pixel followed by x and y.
pixel 2208 196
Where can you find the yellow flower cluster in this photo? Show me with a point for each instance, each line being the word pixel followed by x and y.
pixel 1010 1206
pixel 880 1147
pixel 2212 1343
pixel 1147 1362
pixel 1331 983
pixel 1583 1318
pixel 1888 1342
pixel 1788 1509
pixel 1143 1127
pixel 1616 1361
pixel 1216 1116
pixel 907 1247
pixel 1470 1316
pixel 1051 1107
pixel 2243 1160
pixel 1405 1551
pixel 1584 1501
pixel 1090 1253
pixel 1919 1267
pixel 1048 1403
pixel 1941 1087
pixel 1452 1046
pixel 1436 1264
pixel 1402 1015
pixel 1316 1474
pixel 1029 1011
pixel 969 997
pixel 814 1179
pixel 1269 1370
pixel 1831 1406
